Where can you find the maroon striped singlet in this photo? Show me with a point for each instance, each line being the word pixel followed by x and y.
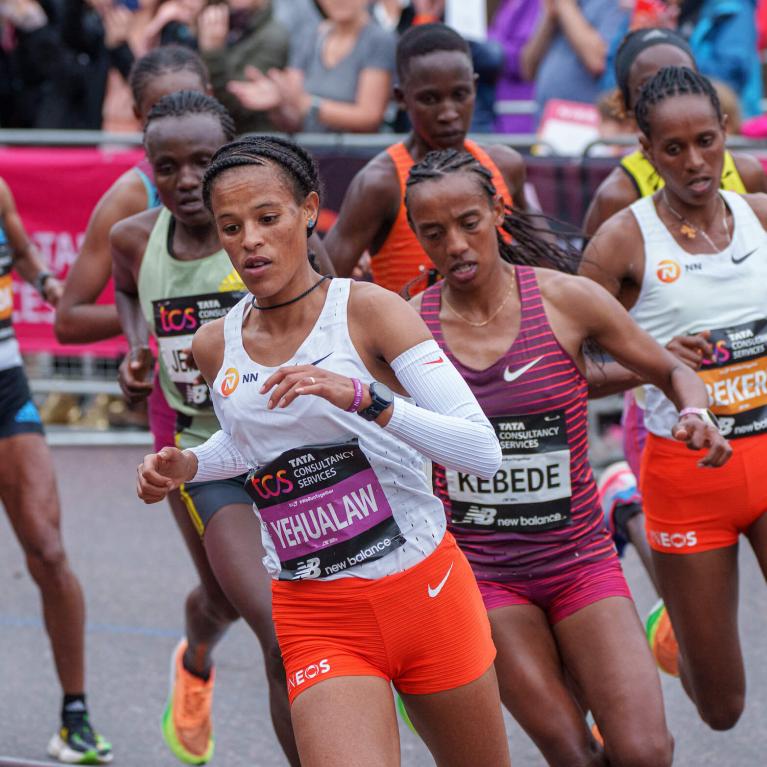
pixel 540 514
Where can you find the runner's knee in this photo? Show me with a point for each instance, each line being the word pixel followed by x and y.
pixel 212 604
pixel 45 553
pixel 641 750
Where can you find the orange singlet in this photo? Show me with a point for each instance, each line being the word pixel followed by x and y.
pixel 401 258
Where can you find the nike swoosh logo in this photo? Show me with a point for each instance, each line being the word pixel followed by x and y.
pixel 435 362
pixel 508 376
pixel 741 260
pixel 321 359
pixel 435 592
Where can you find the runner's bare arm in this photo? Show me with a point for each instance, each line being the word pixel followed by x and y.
pixel 758 203
pixel 512 166
pixel 614 257
pixel 26 258
pixel 367 213
pixel 128 241
pixel 78 318
pixel 614 194
pixel 751 172
pixel 604 320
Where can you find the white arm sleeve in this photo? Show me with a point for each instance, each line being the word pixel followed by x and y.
pixel 446 424
pixel 218 458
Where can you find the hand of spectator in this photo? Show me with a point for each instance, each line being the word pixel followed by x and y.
pixel 25 15
pixel 259 92
pixel 117 20
pixel 182 11
pixel 213 27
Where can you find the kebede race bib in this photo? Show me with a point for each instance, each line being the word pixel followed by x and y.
pixel 324 509
pixel 175 322
pixel 531 491
pixel 736 380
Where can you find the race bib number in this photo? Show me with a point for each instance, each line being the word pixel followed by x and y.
pixel 736 379
pixel 176 321
pixel 324 509
pixel 531 491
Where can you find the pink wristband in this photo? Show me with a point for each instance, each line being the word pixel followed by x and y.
pixel 354 407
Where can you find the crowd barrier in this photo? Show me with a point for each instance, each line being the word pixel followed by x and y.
pixel 57 187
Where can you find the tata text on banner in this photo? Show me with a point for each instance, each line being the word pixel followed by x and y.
pixel 56 191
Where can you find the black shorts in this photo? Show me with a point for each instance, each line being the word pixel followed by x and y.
pixel 204 499
pixel 18 413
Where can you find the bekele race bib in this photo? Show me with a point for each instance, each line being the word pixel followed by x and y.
pixel 175 323
pixel 736 380
pixel 531 491
pixel 325 510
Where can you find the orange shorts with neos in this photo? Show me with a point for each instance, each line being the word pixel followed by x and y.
pixel 688 509
pixel 424 629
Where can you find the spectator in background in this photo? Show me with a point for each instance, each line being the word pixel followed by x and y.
pixel 174 23
pixel 233 37
pixel 723 37
pixel 339 77
pixel 62 66
pixel 567 54
pixel 512 27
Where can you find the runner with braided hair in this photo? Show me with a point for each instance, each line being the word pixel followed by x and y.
pixel 368 587
pixel 691 259
pixel 514 325
pixel 171 275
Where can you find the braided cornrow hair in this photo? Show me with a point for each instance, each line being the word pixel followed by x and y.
pixel 297 166
pixel 166 58
pixel 183 103
pixel 533 243
pixel 670 82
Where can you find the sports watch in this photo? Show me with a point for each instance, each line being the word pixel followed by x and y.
pixel 381 396
pixel 704 414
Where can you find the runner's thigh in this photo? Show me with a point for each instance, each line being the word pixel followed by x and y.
pixel 462 727
pixel 533 686
pixel 604 647
pixel 347 721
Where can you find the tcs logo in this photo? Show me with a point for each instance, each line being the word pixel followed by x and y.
pixel 176 320
pixel 230 381
pixel 668 271
pixel 272 485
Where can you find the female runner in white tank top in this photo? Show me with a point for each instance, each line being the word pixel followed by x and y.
pixel 692 260
pixel 368 587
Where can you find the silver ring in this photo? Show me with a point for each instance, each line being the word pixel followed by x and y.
pixel 311 378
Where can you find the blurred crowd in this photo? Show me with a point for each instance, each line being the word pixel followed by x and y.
pixel 66 63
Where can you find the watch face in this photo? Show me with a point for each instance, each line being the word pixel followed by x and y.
pixel 381 391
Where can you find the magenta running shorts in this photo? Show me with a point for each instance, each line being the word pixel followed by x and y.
pixel 162 418
pixel 563 594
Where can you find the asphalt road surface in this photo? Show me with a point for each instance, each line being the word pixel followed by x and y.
pixel 135 572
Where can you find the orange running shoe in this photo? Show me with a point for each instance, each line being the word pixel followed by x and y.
pixel 186 724
pixel 660 635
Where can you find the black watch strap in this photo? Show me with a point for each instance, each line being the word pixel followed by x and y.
pixel 381 397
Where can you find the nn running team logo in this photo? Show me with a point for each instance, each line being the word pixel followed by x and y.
pixel 669 271
pixel 230 381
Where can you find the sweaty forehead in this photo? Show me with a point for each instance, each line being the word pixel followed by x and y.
pixel 187 132
pixel 439 69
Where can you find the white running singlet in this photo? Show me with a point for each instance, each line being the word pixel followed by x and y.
pixel 338 496
pixel 722 292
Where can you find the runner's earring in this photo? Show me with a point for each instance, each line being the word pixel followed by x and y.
pixel 310 223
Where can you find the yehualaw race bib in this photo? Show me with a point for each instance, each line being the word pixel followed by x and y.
pixel 531 491
pixel 175 323
pixel 325 510
pixel 736 380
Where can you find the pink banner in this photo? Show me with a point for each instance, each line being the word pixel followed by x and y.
pixel 56 191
